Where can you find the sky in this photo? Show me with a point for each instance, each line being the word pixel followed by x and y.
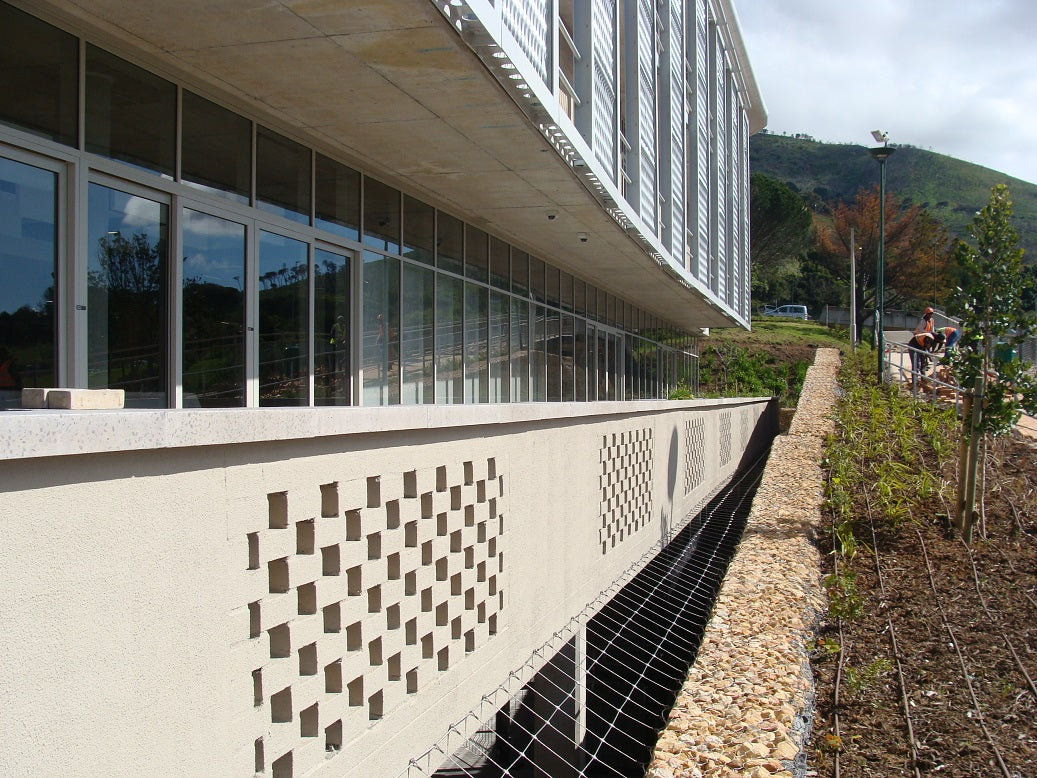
pixel 958 77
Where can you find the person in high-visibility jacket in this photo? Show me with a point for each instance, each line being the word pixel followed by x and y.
pixel 921 342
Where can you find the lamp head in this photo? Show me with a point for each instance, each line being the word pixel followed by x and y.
pixel 880 136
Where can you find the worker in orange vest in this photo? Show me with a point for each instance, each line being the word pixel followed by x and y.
pixel 921 342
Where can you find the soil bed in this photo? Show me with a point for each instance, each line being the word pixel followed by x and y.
pixel 948 722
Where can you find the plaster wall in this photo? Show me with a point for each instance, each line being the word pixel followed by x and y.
pixel 297 595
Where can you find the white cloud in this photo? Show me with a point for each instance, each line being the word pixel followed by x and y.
pixel 959 78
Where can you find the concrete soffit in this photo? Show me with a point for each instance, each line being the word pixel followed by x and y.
pixel 402 90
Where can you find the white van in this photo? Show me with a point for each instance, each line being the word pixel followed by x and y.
pixel 788 311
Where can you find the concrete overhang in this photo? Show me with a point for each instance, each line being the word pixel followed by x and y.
pixel 392 87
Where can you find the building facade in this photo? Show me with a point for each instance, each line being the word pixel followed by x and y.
pixel 392 275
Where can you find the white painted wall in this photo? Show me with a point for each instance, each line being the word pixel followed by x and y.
pixel 125 643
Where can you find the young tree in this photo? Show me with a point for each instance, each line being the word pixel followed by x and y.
pixel 989 300
pixel 916 251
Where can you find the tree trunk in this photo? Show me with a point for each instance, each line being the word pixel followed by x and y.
pixel 963 460
pixel 973 458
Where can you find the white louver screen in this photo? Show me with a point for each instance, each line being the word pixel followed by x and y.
pixel 529 22
pixel 677 120
pixel 646 110
pixel 702 136
pixel 721 247
pixel 743 260
pixel 604 53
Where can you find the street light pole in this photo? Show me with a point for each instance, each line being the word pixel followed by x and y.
pixel 881 154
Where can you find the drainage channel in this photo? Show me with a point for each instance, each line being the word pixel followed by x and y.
pixel 596 708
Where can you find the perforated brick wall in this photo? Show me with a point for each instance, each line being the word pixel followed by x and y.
pixel 626 481
pixel 694 454
pixel 725 438
pixel 398 578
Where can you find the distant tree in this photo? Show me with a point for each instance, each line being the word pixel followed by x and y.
pixel 989 300
pixel 916 251
pixel 779 234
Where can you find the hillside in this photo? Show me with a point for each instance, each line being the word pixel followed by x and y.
pixel 950 189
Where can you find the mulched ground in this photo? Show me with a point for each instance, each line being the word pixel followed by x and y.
pixel 973 710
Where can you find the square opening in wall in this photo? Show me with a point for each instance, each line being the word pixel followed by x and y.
pixel 410 483
pixel 374 599
pixel 455 541
pixel 469 599
pixel 426 553
pixel 278 573
pixel 469 515
pixel 427 647
pixel 374 545
pixel 282 768
pixel 354 582
pixel 443 658
pixel 411 632
pixel 355 691
pixel 257 687
pixel 333 677
pixel 374 706
pixel 455 628
pixel 308 726
pixel 260 760
pixel 426 599
pixel 374 652
pixel 427 505
pixel 442 524
pixel 480 612
pixel 305 532
pixel 455 584
pixel 354 525
pixel 442 614
pixel 281 706
pixel 469 474
pixel 392 617
pixel 307 599
pixel 277 510
pixel 392 514
pixel 441 478
pixel 394 667
pixel 469 641
pixel 308 659
pixel 442 569
pixel 333 737
pixel 255 628
pixel 330 560
pixel 374 491
pixel 332 618
pixel 410 534
pixel 410 583
pixel 329 500
pixel 412 681
pixel 455 498
pixel 392 567
pixel 253 550
pixel 354 636
pixel 280 642
pixel 492 624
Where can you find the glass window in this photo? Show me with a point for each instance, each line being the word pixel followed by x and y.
pixel 130 113
pixel 568 346
pixel 602 308
pixel 337 198
pixel 381 216
pixel 552 290
pixel 500 347
pixel 282 176
pixel 554 355
pixel 579 297
pixel 565 291
pixel 476 366
pixel 126 296
pixel 381 348
pixel 28 257
pixel 216 148
pixel 333 374
pixel 476 254
pixel 417 334
pixel 449 243
pixel 519 350
pixel 592 363
pixel 580 359
pixel 39 70
pixel 213 311
pixel 538 355
pixel 500 263
pixel 419 228
pixel 449 341
pixel 537 282
pixel 283 320
pixel 520 273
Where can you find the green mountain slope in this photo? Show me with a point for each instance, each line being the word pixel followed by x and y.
pixel 950 189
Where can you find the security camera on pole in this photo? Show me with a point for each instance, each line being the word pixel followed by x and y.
pixel 881 154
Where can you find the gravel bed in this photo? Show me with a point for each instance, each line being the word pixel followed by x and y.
pixel 745 708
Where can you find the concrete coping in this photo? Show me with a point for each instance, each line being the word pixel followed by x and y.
pixel 49 432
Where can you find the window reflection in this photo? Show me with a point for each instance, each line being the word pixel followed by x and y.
pixel 130 113
pixel 417 334
pixel 381 347
pixel 554 355
pixel 28 253
pixel 337 198
pixel 331 326
pixel 519 350
pixel 213 311
pixel 283 320
pixel 381 216
pixel 500 347
pixel 126 295
pixel 500 263
pixel 538 355
pixel 449 342
pixel 449 244
pixel 419 228
pixel 476 254
pixel 216 148
pixel 476 367
pixel 282 176
pixel 39 70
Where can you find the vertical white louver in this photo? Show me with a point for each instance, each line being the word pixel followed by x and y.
pixel 530 23
pixel 604 132
pixel 677 119
pixel 720 245
pixel 646 109
pixel 702 128
pixel 735 216
pixel 744 258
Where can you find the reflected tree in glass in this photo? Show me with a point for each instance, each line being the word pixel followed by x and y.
pixel 333 375
pixel 283 296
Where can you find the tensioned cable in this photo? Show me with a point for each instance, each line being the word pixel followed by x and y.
pixel 681 580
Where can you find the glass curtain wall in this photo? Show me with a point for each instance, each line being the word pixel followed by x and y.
pixel 332 328
pixel 283 299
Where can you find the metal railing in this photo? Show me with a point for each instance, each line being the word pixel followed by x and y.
pixel 911 367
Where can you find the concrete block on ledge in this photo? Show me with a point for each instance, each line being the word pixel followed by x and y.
pixel 86 399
